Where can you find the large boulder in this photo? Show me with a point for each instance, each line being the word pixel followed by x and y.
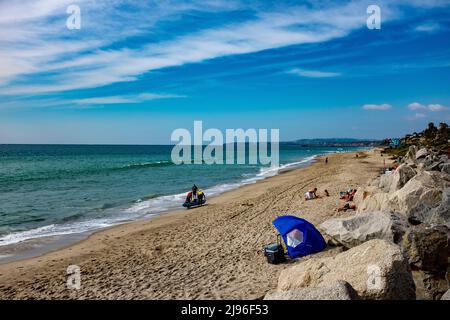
pixel 362 227
pixel 386 181
pixel 374 202
pixel 377 269
pixel 437 216
pixel 422 153
pixel 339 290
pixel 431 163
pixel 446 295
pixel 410 157
pixel 421 196
pixel 400 177
pixel 428 247
pixel 364 192
pixel 429 285
pixel 445 167
pixel 373 182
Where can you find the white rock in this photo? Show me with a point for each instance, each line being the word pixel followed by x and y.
pixel 422 153
pixel 421 196
pixel 386 181
pixel 410 157
pixel 339 290
pixel 446 295
pixel 377 269
pixel 374 202
pixel 362 227
pixel 400 177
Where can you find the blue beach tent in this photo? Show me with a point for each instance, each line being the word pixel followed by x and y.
pixel 300 236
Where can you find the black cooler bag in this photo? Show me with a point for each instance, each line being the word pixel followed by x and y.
pixel 274 253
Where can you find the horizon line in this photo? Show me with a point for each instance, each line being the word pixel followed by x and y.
pixel 161 144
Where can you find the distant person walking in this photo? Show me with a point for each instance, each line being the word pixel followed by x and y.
pixel 326 160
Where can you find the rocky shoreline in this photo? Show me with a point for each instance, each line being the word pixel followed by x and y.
pixel 395 246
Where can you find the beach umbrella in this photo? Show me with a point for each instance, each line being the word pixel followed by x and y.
pixel 300 236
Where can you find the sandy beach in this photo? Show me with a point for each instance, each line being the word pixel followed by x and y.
pixel 204 253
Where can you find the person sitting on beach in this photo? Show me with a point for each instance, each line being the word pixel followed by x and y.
pixel 348 195
pixel 311 194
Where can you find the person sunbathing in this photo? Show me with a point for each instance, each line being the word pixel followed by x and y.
pixel 347 206
pixel 311 194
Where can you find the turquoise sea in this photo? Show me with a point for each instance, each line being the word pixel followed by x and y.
pixel 48 190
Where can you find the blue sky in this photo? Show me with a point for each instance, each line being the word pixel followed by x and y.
pixel 137 70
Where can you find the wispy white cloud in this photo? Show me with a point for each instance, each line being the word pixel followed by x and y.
pixel 125 99
pixel 34 42
pixel 429 107
pixel 419 115
pixel 97 66
pixel 437 107
pixel 313 73
pixel 427 27
pixel 426 111
pixel 416 116
pixel 86 103
pixel 416 106
pixel 381 107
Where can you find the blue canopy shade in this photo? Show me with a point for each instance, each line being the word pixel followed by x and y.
pixel 300 236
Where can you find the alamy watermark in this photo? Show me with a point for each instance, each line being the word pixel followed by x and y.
pixel 73 22
pixel 374 19
pixel 375 281
pixel 208 147
pixel 74 277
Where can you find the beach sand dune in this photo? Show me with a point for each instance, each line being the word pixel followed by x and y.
pixel 205 253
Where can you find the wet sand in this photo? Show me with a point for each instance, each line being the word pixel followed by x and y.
pixel 209 252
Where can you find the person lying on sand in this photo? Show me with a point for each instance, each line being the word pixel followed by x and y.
pixel 347 206
pixel 311 194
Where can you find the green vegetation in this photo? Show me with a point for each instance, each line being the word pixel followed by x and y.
pixel 435 138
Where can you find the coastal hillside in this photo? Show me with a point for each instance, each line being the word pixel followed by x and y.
pixel 436 138
pixel 334 142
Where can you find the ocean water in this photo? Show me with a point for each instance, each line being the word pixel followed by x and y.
pixel 48 190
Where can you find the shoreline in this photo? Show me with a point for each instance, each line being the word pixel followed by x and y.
pixel 193 254
pixel 38 246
